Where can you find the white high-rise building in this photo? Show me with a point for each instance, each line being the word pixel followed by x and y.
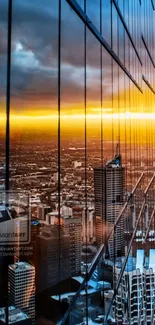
pixel 51 217
pixel 88 229
pixel 22 287
pixel 109 199
pixel 42 210
pixel 135 299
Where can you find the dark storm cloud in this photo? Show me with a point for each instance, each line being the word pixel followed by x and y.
pixel 35 27
pixel 34 53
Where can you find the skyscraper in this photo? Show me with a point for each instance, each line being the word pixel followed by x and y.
pixel 73 228
pixel 135 299
pixel 75 76
pixel 88 226
pixel 109 198
pixel 48 247
pixel 22 287
pixel 52 257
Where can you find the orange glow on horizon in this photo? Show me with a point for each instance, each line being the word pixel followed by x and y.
pixel 14 118
pixel 129 126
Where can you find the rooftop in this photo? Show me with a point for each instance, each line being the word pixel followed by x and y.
pixel 15 315
pixel 21 266
pixel 115 162
pixel 93 284
pixel 139 262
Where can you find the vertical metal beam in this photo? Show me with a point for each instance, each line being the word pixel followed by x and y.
pixel 7 135
pixel 97 257
pixel 129 248
pixel 59 138
pixel 124 263
pixel 74 5
pixel 8 90
pixel 85 153
pixel 147 232
pixel 126 29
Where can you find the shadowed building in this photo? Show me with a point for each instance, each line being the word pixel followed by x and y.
pixel 52 257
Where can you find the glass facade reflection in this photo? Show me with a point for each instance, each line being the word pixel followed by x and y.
pixel 77 164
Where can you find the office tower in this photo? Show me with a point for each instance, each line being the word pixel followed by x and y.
pixel 22 287
pixel 52 217
pixel 15 316
pixel 135 299
pixel 82 73
pixel 42 210
pixel 52 257
pixel 88 225
pixel 109 198
pixel 73 228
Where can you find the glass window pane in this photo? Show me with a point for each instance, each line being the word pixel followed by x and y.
pixel 93 12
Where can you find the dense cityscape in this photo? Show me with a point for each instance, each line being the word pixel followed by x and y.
pixel 77 163
pixel 33 172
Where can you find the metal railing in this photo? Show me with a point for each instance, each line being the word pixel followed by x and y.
pixel 100 253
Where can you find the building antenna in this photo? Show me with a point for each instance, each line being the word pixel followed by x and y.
pixel 118 147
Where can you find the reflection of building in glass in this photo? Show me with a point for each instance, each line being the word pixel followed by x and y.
pixel 98 63
pixel 109 198
pixel 52 257
pixel 135 300
pixel 72 226
pixel 22 287
pixel 88 225
pixel 48 253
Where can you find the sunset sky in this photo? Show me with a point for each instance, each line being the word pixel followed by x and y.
pixel 34 67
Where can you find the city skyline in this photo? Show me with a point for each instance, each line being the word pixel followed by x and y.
pixel 77 163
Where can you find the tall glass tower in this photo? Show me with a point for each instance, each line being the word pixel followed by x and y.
pixel 109 189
